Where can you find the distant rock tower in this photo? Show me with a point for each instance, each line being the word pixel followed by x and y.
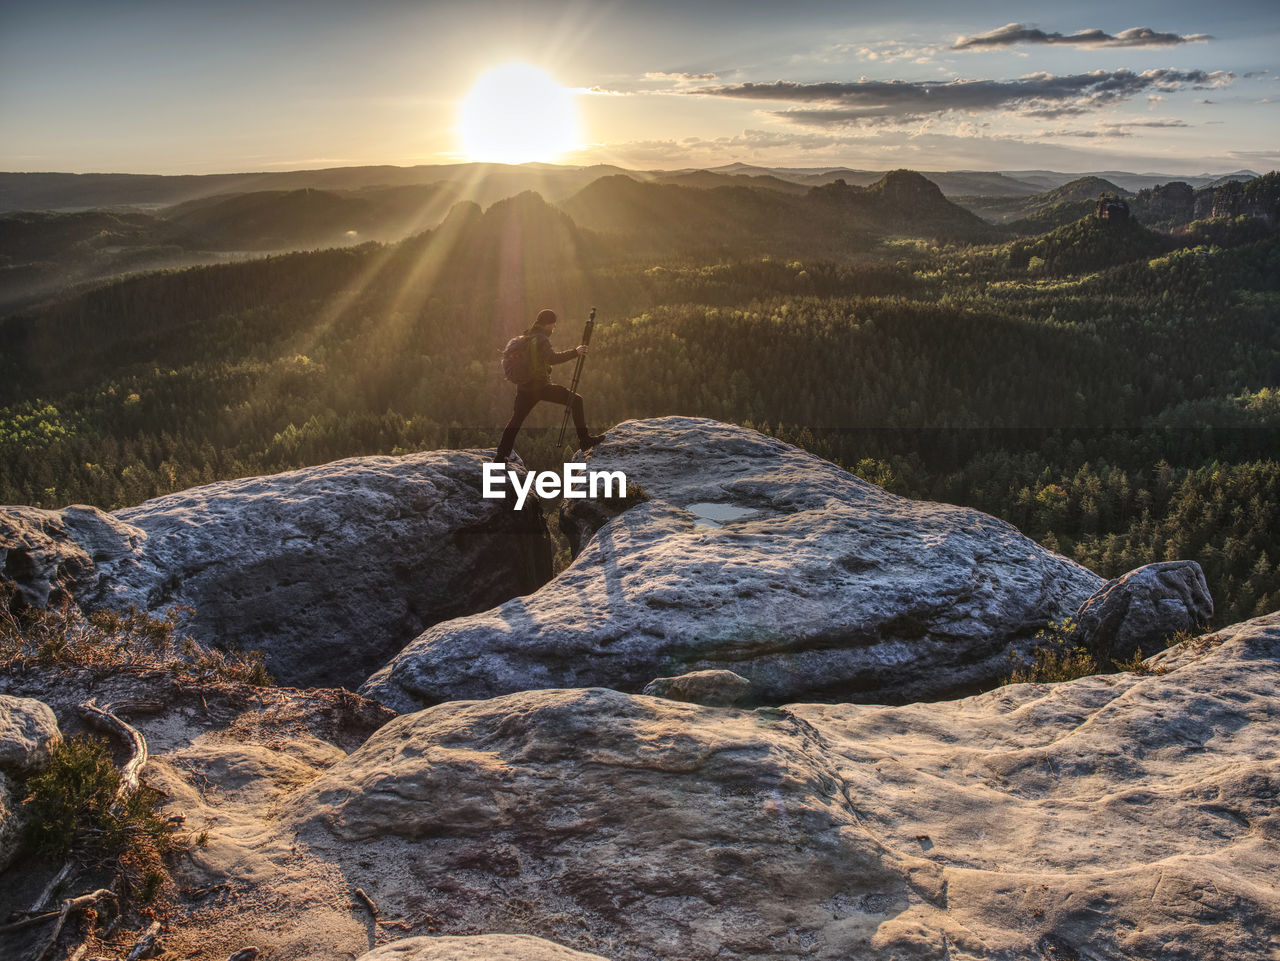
pixel 1111 207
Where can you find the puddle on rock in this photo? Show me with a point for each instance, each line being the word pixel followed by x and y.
pixel 715 515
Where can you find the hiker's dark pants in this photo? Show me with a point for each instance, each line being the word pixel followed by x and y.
pixel 526 399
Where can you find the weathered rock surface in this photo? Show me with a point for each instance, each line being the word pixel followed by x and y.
pixel 28 733
pixel 825 587
pixel 10 822
pixel 712 688
pixel 1143 609
pixel 53 556
pixel 1118 816
pixel 487 947
pixel 329 570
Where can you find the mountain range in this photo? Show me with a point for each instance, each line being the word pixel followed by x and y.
pixel 827 214
pixel 486 183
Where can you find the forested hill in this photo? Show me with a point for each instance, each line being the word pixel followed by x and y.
pixel 833 219
pixel 1044 211
pixel 1112 390
pixel 41 253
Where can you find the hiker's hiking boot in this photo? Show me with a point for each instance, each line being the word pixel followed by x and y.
pixel 586 443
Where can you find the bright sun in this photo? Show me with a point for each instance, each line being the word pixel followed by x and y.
pixel 517 113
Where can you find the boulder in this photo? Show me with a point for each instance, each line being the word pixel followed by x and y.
pixel 28 734
pixel 1143 610
pixel 712 688
pixel 486 947
pixel 1125 816
pixel 10 822
pixel 756 557
pixel 328 570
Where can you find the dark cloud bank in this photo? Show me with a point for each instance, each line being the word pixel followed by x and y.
pixel 1039 95
pixel 1014 33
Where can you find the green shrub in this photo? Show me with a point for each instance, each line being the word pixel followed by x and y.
pixel 75 806
pixel 635 494
pixel 70 800
pixel 1057 657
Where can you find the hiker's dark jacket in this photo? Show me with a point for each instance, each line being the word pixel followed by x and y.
pixel 542 356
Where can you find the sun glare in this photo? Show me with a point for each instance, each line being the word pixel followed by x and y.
pixel 517 113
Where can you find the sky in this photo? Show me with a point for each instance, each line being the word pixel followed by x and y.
pixel 135 86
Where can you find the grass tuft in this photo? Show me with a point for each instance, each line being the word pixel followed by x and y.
pixel 1057 657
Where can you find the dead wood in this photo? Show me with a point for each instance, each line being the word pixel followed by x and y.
pixel 70 906
pixel 148 946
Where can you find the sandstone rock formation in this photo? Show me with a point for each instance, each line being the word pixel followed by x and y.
pixel 28 733
pixel 329 570
pixel 1144 609
pixel 712 688
pixel 53 556
pixel 1119 816
pixel 825 587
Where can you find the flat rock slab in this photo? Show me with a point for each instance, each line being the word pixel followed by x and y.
pixel 824 587
pixel 1119 816
pixel 712 688
pixel 329 570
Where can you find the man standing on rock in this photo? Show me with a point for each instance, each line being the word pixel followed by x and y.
pixel 537 386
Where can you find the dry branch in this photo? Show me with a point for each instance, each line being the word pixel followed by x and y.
pixel 148 945
pixel 69 907
pixel 49 888
pixel 367 902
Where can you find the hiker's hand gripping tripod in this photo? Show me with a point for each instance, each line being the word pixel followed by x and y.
pixel 577 371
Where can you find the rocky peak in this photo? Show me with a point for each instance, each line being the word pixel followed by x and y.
pixel 328 570
pixel 756 557
pixel 908 187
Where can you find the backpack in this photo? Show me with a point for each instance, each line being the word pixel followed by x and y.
pixel 517 365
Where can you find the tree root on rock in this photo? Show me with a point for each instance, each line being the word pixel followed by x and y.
pixel 105 717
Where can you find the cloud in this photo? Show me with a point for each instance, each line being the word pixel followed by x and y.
pixel 1109 130
pixel 1015 33
pixel 1253 156
pixel 884 51
pixel 682 79
pixel 656 82
pixel 1040 95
